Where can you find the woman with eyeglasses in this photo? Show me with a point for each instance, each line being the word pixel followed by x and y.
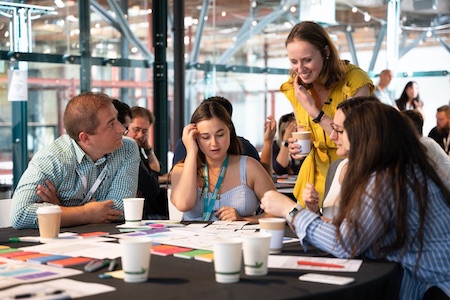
pixel 336 172
pixel 283 163
pixel 392 206
pixel 320 80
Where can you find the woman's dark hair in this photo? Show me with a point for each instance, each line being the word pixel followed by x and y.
pixel 380 146
pixel 401 102
pixel 213 109
pixel 123 110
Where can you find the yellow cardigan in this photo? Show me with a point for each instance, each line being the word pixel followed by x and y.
pixel 323 151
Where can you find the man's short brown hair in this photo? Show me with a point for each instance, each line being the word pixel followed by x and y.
pixel 81 113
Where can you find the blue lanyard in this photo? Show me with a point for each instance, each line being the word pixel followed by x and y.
pixel 208 204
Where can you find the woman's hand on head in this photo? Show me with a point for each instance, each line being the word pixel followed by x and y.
pixel 292 127
pixel 190 134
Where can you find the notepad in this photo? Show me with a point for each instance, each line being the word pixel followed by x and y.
pixel 165 250
pixel 46 259
pixel 93 234
pixel 29 256
pixel 68 262
pixel 192 254
pixel 207 257
pixel 8 250
pixel 11 255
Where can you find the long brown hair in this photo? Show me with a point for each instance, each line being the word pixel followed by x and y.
pixel 213 109
pixel 333 71
pixel 381 139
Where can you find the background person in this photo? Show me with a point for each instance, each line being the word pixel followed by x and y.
pixel 215 182
pixel 381 90
pixel 410 98
pixel 435 153
pixel 283 163
pixel 320 80
pixel 87 171
pixel 123 113
pixel 155 205
pixel 393 205
pixel 441 133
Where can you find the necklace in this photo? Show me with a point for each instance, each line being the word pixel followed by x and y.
pixel 208 203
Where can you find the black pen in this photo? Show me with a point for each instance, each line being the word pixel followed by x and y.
pixel 58 294
pixel 96 265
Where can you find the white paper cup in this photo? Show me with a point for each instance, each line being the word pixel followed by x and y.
pixel 303 138
pixel 256 253
pixel 227 259
pixel 274 226
pixel 133 209
pixel 135 258
pixel 49 220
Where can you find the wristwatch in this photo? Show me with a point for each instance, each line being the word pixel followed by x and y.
pixel 319 117
pixel 285 143
pixel 290 216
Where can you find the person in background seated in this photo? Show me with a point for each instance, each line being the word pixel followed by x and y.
pixel 410 98
pixel 381 90
pixel 283 163
pixel 155 205
pixel 393 205
pixel 319 81
pixel 436 155
pixel 216 182
pixel 270 129
pixel 87 171
pixel 248 149
pixel 123 112
pixel 441 133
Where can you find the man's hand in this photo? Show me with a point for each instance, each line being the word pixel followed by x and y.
pixel 48 193
pixel 102 212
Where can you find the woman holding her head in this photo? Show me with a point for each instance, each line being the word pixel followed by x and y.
pixel 216 182
pixel 320 80
pixel 283 163
pixel 392 206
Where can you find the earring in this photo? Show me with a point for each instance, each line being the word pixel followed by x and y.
pixel 328 57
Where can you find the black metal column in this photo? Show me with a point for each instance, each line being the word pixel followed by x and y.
pixel 160 81
pixel 85 45
pixel 178 69
pixel 124 52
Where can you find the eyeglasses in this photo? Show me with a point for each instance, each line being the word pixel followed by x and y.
pixel 335 128
pixel 138 129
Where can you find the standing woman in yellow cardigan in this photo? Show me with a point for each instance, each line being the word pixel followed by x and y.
pixel 320 80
